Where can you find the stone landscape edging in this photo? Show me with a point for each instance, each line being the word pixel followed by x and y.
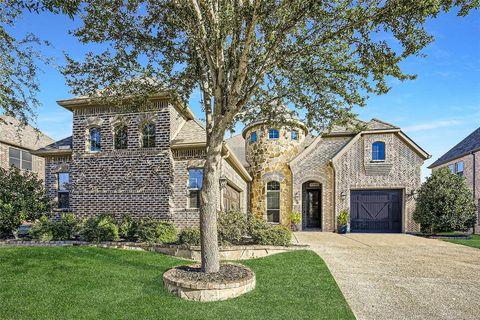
pixel 234 252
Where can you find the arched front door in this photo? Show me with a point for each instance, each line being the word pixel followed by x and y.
pixel 312 205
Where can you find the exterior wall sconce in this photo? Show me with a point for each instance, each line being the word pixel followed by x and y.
pixel 296 197
pixel 223 182
pixel 413 194
pixel 343 195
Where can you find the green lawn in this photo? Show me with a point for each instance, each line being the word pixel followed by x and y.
pixel 95 283
pixel 474 242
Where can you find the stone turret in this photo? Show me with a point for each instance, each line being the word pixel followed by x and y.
pixel 269 148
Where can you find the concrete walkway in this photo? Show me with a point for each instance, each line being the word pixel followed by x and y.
pixel 397 276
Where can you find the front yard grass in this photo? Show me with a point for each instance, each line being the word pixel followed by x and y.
pixel 95 283
pixel 473 242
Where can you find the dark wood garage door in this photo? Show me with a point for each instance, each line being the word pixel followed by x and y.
pixel 376 211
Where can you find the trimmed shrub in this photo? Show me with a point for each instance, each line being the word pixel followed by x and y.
pixel 128 228
pixel 22 198
pixel 152 231
pixel 266 234
pixel 232 225
pixel 445 203
pixel 64 229
pixel 97 229
pixel 189 237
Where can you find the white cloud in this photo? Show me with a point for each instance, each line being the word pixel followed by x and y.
pixel 432 125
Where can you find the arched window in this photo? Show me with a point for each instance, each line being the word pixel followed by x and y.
pixel 273 134
pixel 148 135
pixel 273 201
pixel 378 151
pixel 253 136
pixel 121 137
pixel 95 139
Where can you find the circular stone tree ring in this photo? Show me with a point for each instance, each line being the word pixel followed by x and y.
pixel 190 283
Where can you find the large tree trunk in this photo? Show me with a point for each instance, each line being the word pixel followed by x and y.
pixel 208 208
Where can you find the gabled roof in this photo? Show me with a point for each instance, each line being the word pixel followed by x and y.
pixel 14 133
pixel 63 146
pixel 468 145
pixel 191 132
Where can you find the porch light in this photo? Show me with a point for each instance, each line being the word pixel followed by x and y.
pixel 413 194
pixel 343 195
pixel 223 182
pixel 297 197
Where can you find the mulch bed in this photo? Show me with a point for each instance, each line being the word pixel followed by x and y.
pixel 227 273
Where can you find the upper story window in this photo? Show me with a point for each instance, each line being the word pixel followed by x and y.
pixel 459 168
pixel 452 168
pixel 95 139
pixel 253 136
pixel 273 134
pixel 63 183
pixel 294 135
pixel 273 201
pixel 378 151
pixel 195 182
pixel 20 159
pixel 148 135
pixel 121 137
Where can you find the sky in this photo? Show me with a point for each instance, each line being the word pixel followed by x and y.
pixel 437 110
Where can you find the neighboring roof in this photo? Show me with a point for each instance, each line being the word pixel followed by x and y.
pixel 468 145
pixel 191 132
pixel 237 145
pixel 58 147
pixel 23 136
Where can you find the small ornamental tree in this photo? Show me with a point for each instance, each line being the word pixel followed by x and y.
pixel 22 198
pixel 445 203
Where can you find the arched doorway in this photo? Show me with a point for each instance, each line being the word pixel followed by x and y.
pixel 312 205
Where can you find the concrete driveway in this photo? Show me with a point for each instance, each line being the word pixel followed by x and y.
pixel 398 276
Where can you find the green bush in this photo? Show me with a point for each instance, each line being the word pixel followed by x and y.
pixel 128 228
pixel 232 225
pixel 153 231
pixel 343 217
pixel 295 217
pixel 64 229
pixel 445 203
pixel 266 234
pixel 189 237
pixel 22 198
pixel 97 229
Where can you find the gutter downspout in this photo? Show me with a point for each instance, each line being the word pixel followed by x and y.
pixel 474 185
pixel 334 196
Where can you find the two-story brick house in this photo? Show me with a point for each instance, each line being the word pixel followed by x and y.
pixel 17 142
pixel 144 163
pixel 149 164
pixel 463 159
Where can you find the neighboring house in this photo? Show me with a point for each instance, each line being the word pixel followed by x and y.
pixel 16 144
pixel 463 159
pixel 143 163
pixel 149 164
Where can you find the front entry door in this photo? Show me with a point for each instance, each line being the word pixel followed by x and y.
pixel 313 208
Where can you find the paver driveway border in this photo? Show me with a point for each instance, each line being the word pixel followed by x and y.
pixel 399 276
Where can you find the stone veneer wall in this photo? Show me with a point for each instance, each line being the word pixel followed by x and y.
pixel 315 166
pixel 401 170
pixel 38 163
pixel 268 159
pixel 468 170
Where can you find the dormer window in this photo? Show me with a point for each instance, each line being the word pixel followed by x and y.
pixel 148 135
pixel 94 139
pixel 294 135
pixel 253 136
pixel 378 151
pixel 273 134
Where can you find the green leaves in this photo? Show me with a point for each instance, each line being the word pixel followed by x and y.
pixel 445 203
